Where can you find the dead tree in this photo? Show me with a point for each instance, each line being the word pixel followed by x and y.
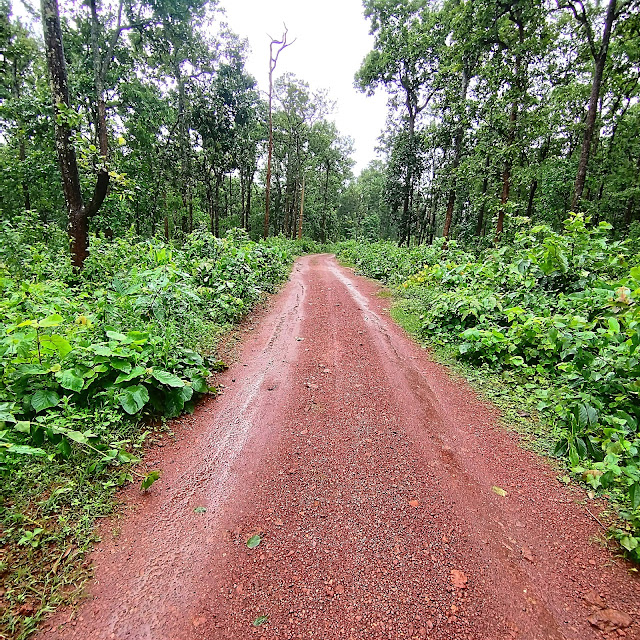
pixel 273 61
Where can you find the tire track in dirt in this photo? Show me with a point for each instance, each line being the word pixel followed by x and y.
pixel 368 472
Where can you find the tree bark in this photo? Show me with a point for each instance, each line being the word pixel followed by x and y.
pixel 600 60
pixel 485 186
pixel 79 214
pixel 299 235
pixel 456 157
pixel 273 61
pixel 216 207
pixel 323 234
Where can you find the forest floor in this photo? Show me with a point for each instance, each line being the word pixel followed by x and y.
pixel 387 500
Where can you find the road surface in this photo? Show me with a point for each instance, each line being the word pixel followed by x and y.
pixel 368 472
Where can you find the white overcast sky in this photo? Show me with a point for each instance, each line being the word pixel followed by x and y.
pixel 332 38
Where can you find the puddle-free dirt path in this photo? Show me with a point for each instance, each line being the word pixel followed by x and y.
pixel 368 472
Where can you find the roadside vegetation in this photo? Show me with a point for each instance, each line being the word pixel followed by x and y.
pixel 554 314
pixel 159 196
pixel 91 366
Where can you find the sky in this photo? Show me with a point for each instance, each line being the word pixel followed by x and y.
pixel 331 40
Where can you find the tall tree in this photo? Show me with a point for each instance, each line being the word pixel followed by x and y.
pixel 79 212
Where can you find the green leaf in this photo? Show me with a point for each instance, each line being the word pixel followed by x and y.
pixel 260 620
pixel 70 380
pixel 23 427
pixel 614 325
pixel 23 449
pixel 574 458
pixel 167 378
pixel 629 542
pixel 76 436
pixel 102 350
pixel 6 415
pixel 587 415
pixel 149 479
pixel 133 398
pixel 634 495
pixel 200 510
pixel 51 321
pixel 121 364
pixel 136 372
pixel 56 343
pixel 561 448
pixel 254 541
pixel 44 399
pixel 581 447
pixel 114 335
pixel 186 393
pixel 199 384
pixel 64 448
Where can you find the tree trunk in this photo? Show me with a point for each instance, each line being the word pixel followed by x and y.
pixel 323 234
pixel 600 61
pixel 301 211
pixel 485 186
pixel 79 214
pixel 216 207
pixel 457 155
pixel 249 189
pixel 532 195
pixel 22 154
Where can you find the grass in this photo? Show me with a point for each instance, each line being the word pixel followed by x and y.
pixel 516 405
pixel 54 507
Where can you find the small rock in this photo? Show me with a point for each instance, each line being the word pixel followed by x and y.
pixel 458 579
pixel 609 620
pixel 594 599
pixel 526 554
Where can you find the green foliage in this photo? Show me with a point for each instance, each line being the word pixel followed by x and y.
pixel 555 313
pixel 90 363
pixel 121 337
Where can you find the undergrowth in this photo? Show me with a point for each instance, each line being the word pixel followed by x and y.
pixel 92 365
pixel 555 318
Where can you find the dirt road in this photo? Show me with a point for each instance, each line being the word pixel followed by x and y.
pixel 368 473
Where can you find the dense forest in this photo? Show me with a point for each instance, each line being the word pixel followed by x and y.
pixel 503 110
pixel 151 194
pixel 158 127
pixel 498 111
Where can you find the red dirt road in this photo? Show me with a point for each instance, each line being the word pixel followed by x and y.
pixel 368 472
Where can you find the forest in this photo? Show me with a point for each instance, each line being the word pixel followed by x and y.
pixel 151 195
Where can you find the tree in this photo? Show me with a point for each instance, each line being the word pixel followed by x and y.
pixel 406 60
pixel 79 212
pixel 599 54
pixel 280 46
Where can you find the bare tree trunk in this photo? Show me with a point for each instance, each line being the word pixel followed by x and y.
pixel 506 172
pixel 243 223
pixel 216 207
pixel 301 210
pixel 22 154
pixel 249 189
pixel 273 61
pixel 485 186
pixel 513 119
pixel 456 157
pixel 323 234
